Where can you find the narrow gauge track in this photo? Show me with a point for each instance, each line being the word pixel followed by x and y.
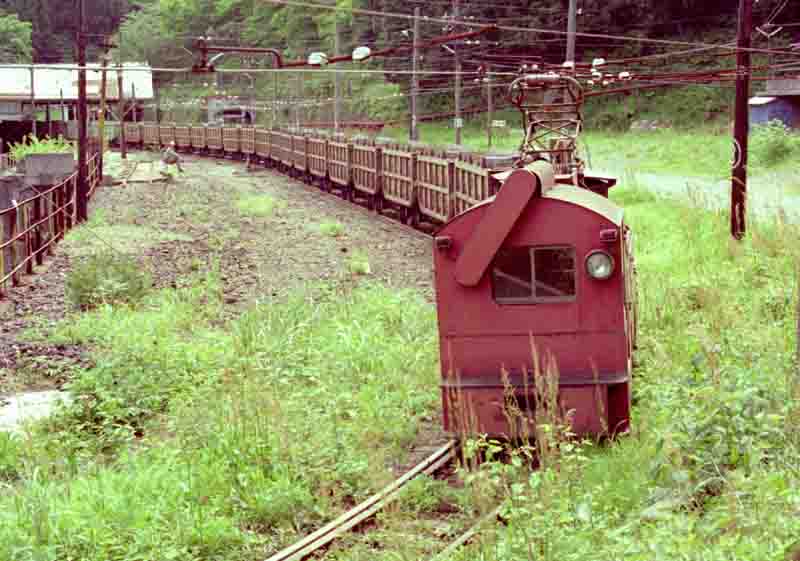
pixel 322 537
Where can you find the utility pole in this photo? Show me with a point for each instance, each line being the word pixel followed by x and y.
pixel 413 129
pixel 336 85
pixel 742 125
pixel 33 105
pixel 571 28
pixel 458 120
pixel 274 100
pixel 489 104
pixel 123 145
pixel 101 125
pixel 82 189
pixel 298 101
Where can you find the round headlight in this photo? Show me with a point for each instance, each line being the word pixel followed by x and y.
pixel 599 265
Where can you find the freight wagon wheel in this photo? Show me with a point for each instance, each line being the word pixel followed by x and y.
pixel 370 202
pixel 379 203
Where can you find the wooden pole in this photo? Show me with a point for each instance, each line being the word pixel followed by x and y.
pixel 82 189
pixel 123 144
pixel 741 125
pixel 413 130
pixel 33 105
pixel 458 122
pixel 135 104
pixel 489 104
pixel 299 100
pixel 101 125
pixel 337 93
pixel 571 28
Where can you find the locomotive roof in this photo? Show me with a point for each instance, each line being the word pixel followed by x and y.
pixel 579 197
pixel 587 199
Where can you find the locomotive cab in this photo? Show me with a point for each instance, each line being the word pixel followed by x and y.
pixel 536 281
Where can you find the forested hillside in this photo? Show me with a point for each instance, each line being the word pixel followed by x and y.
pixel 51 35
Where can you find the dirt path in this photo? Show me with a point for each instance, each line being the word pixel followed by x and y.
pixel 266 234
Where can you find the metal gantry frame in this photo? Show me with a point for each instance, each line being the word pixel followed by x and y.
pixel 551 107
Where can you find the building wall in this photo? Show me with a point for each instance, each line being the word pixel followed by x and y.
pixel 784 109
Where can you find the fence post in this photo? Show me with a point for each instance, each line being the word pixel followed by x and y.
pixel 24 225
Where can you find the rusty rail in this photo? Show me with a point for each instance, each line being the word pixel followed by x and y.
pixel 366 509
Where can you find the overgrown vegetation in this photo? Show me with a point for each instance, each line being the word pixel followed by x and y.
pixel 34 145
pixel 216 441
pixel 106 278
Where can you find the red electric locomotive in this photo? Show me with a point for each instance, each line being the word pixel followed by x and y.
pixel 539 276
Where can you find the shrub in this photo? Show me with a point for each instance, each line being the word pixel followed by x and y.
pixel 33 145
pixel 772 143
pixel 105 278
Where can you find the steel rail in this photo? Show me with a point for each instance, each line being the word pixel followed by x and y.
pixel 466 536
pixel 366 509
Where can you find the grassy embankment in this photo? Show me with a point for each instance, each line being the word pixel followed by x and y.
pixel 198 438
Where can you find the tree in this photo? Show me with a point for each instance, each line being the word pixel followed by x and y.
pixel 15 40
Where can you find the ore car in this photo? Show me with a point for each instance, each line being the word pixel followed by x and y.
pixel 538 279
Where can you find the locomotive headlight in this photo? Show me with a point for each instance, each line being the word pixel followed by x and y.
pixel 599 265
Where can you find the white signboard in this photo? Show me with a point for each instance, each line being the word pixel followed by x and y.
pixel 498 124
pixel 458 123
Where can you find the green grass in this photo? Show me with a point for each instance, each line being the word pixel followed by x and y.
pixel 195 439
pixel 99 235
pixel 257 205
pixel 331 229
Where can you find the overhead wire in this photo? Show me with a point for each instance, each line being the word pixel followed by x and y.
pixel 467 23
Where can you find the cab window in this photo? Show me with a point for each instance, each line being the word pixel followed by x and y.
pixel 526 275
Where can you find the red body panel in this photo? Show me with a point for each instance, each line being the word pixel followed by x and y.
pixel 587 336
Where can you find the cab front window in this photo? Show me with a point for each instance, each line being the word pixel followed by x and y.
pixel 528 275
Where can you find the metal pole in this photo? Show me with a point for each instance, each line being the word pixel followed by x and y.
pixel 741 126
pixel 414 130
pixel 123 145
pixel 336 86
pixel 82 189
pixel 489 103
pixel 64 115
pixel 571 28
pixel 33 105
pixel 458 121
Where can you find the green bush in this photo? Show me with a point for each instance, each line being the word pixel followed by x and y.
pixel 33 145
pixel 106 277
pixel 772 142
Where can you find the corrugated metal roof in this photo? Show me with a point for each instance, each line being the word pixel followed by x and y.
pixel 51 82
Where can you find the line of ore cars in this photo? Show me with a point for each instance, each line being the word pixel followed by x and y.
pixel 534 271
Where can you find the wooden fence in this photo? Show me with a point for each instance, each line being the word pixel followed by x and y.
pixel 29 228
